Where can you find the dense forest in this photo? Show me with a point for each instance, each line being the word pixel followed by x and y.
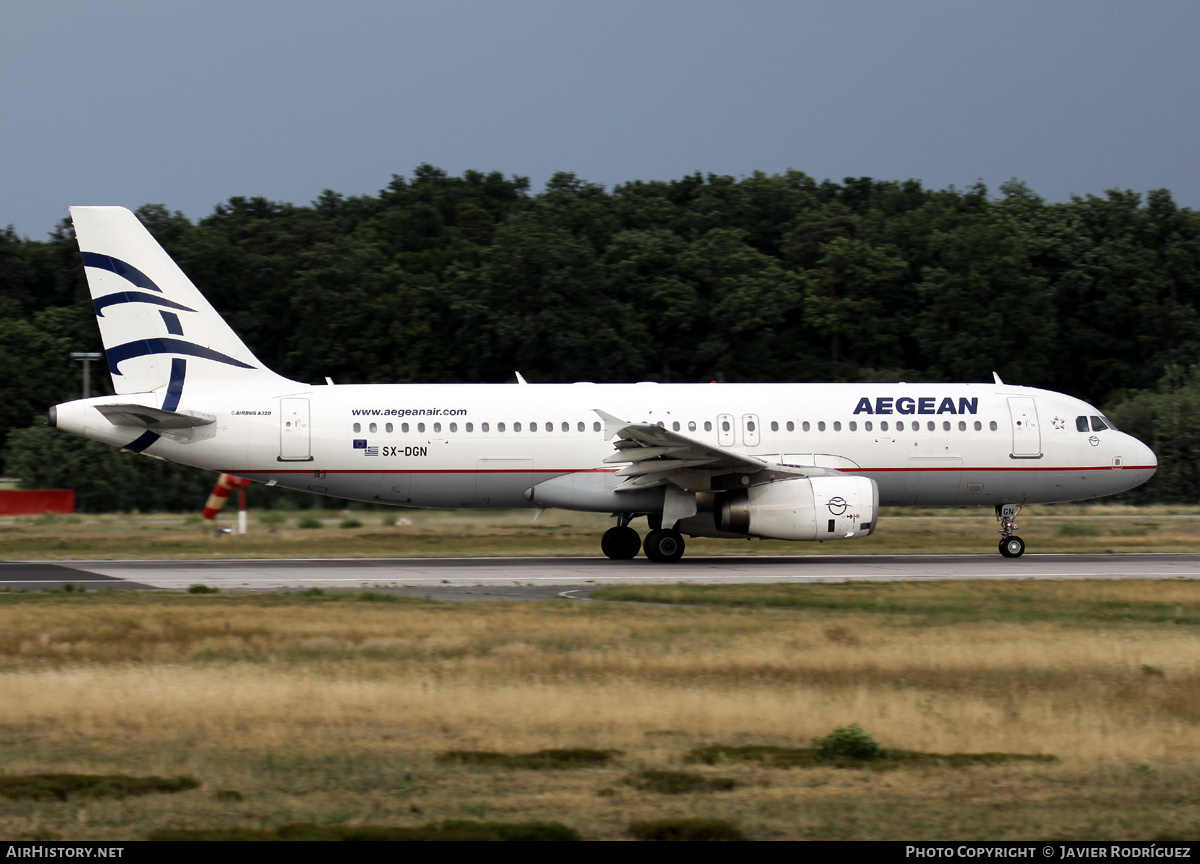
pixel 764 278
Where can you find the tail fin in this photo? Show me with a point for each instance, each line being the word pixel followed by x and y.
pixel 157 327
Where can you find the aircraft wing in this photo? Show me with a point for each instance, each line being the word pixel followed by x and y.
pixel 655 456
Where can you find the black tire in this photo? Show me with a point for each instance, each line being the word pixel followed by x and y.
pixel 664 546
pixel 620 544
pixel 1012 547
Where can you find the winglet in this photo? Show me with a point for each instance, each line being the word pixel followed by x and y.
pixel 612 425
pixel 996 376
pixel 520 378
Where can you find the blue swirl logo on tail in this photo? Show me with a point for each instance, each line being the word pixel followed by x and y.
pixel 121 268
pixel 102 303
pixel 145 347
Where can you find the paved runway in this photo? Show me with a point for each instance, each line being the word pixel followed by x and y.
pixel 531 578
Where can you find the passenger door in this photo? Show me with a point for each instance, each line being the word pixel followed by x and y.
pixel 1027 435
pixel 295 434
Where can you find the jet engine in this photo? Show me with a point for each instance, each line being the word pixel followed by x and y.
pixel 817 508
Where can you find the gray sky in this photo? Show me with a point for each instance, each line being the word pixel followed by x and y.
pixel 189 103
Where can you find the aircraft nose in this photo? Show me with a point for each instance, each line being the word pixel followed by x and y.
pixel 1141 460
pixel 1146 457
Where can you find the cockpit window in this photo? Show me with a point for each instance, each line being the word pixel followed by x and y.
pixel 1098 424
pixel 1081 424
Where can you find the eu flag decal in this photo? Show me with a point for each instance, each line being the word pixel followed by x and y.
pixel 360 443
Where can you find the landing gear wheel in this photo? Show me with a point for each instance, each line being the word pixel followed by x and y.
pixel 621 543
pixel 664 545
pixel 1012 547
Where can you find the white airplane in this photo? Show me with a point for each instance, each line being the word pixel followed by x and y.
pixel 782 461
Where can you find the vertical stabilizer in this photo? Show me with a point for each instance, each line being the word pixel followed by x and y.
pixel 158 330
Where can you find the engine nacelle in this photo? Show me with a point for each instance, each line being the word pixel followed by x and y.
pixel 818 508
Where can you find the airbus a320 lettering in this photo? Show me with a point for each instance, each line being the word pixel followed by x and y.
pixel 783 461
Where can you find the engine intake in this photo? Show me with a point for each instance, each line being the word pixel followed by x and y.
pixel 817 508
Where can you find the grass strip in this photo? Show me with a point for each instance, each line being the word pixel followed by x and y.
pixel 678 782
pixel 685 829
pixel 810 757
pixel 540 760
pixel 63 787
pixel 930 605
pixel 457 830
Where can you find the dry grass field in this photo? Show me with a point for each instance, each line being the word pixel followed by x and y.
pixel 332 708
pixel 426 533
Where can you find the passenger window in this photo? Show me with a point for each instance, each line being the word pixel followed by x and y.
pixel 945 425
pixel 483 427
pixel 1098 425
pixel 533 426
pixel 882 425
pixel 550 427
pixel 868 425
pixel 931 426
pixel 805 426
pixel 437 427
pixel 420 427
pixel 821 426
pixel 403 427
pixel 837 425
pixel 358 427
pixel 978 426
pixel 453 427
pixel 1081 424
pixel 675 426
pixel 774 425
pixel 962 425
pixel 388 428
pixel 373 428
pixel 853 426
pixel 566 427
pixel 724 425
pixel 662 425
pixel 707 425
pixel 516 427
pixel 791 427
pixel 899 425
pixel 691 425
pixel 596 426
pixel 992 425
pixel 580 427
pixel 499 427
pixel 470 427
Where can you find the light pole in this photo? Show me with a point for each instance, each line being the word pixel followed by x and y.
pixel 87 357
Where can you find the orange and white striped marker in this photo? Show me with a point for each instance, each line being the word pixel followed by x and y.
pixel 226 483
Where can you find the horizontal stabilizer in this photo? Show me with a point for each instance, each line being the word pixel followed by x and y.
pixel 154 419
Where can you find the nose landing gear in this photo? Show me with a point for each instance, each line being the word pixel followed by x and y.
pixel 1011 546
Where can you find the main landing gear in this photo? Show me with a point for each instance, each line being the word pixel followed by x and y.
pixel 1011 546
pixel 663 545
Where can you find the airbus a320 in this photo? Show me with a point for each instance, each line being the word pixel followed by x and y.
pixel 781 461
